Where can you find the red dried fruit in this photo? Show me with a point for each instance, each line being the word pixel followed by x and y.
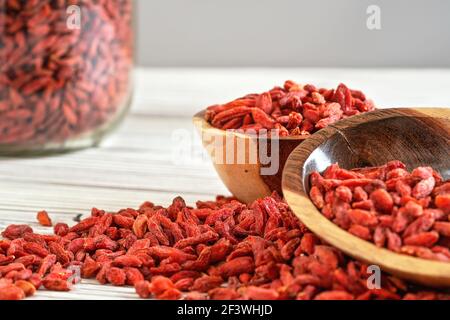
pixel 90 268
pixel 36 280
pixel 394 241
pixel 344 193
pixel 11 267
pixel 334 295
pixel 264 252
pixel 160 284
pixel 101 274
pixel 262 118
pixel 264 102
pixel 423 188
pixel 257 293
pixel 127 261
pixel 61 229
pixel 11 292
pixel 442 201
pixel 307 243
pixel 413 209
pixel 44 219
pixel 101 242
pixel 184 284
pixel 133 276
pixel 287 251
pixel 379 236
pixel 236 267
pixel 170 294
pixel 201 238
pixel 61 254
pixel 143 289
pixel 61 82
pixel 6 260
pixel 26 286
pixel 421 224
pixel 56 284
pixel 140 226
pixel 382 200
pixel 116 276
pixel 442 227
pixel 46 264
pixel 16 231
pixel 360 231
pixel 317 197
pixel 223 294
pixel 362 217
pixel 400 215
pixel 424 239
pixel 206 283
pixel 292 110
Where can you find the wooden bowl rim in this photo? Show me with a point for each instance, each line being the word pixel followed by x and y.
pixel 435 273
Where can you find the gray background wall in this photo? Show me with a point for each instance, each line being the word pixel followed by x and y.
pixel 294 33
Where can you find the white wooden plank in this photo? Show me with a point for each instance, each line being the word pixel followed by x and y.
pixel 27 198
pixel 89 290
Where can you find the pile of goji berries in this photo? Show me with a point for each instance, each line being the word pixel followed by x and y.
pixel 292 110
pixel 406 212
pixel 221 249
pixel 59 80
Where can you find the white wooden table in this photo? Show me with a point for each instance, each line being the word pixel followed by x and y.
pixel 156 155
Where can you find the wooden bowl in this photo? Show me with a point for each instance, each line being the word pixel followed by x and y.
pixel 416 136
pixel 250 177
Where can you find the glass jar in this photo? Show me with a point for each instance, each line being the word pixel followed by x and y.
pixel 65 72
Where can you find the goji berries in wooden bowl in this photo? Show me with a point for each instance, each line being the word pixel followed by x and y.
pixel 405 139
pixel 250 138
pixel 249 165
pixel 65 72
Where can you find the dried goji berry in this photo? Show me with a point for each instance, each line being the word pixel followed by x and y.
pixel 26 286
pixel 256 251
pixel 116 276
pixel 292 110
pixel 143 289
pixel 61 229
pixel 44 219
pixel 55 283
pixel 16 231
pixel 11 292
pixel 206 283
pixel 257 293
pixel 59 82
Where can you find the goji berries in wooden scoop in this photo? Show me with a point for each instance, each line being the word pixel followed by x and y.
pixel 394 214
pixel 292 110
pixel 406 212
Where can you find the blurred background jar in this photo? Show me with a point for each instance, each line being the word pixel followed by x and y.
pixel 65 72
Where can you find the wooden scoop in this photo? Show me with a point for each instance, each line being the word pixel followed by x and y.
pixel 415 136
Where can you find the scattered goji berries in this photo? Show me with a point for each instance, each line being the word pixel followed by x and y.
pixel 221 249
pixel 292 110
pixel 64 73
pixel 406 212
pixel 44 219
